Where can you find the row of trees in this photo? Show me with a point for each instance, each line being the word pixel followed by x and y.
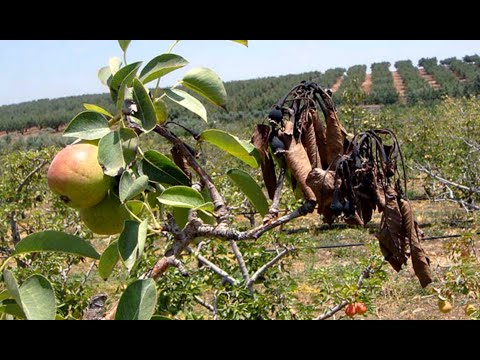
pixel 352 83
pixel 416 87
pixel 383 91
pixel 449 84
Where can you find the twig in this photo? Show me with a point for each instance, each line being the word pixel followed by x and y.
pixel 204 303
pixel 88 273
pixel 14 228
pixel 268 265
pixel 215 313
pixel 473 146
pixel 240 260
pixel 445 181
pixel 365 274
pixel 34 171
pixel 216 269
pixel 303 210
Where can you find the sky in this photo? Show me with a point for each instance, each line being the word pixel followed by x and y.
pixel 39 69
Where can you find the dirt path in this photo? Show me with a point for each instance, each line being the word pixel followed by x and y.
pixel 399 86
pixel 429 78
pixel 337 84
pixel 367 84
pixel 457 75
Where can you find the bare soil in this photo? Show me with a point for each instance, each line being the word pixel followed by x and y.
pixel 429 78
pixel 367 84
pixel 399 86
pixel 337 84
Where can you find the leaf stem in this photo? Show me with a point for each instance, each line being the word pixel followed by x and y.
pixel 172 46
pixel 5 263
pixel 149 208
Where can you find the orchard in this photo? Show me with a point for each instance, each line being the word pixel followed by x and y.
pixel 161 223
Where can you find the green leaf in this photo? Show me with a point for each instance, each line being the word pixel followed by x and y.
pixel 251 189
pixel 160 317
pixel 87 125
pixel 124 44
pixel 161 111
pixel 187 101
pixel 132 242
pixel 5 295
pixel 208 84
pixel 161 169
pixel 145 109
pixel 207 207
pixel 115 64
pixel 97 109
pixel 56 241
pixel 104 75
pixel 12 286
pixel 231 144
pixel 131 187
pixel 135 206
pixel 243 42
pixel 123 74
pixel 38 298
pixel 108 260
pixel 181 216
pixel 138 301
pixel 182 197
pixel 12 308
pixel 117 150
pixel 121 81
pixel 160 66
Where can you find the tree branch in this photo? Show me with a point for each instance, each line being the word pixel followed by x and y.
pixel 34 171
pixel 14 228
pixel 268 265
pixel 240 260
pixel 445 181
pixel 220 207
pixel 204 303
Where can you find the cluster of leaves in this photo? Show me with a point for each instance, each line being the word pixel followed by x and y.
pixel 449 84
pixel 417 89
pixel 382 91
pixel 352 85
